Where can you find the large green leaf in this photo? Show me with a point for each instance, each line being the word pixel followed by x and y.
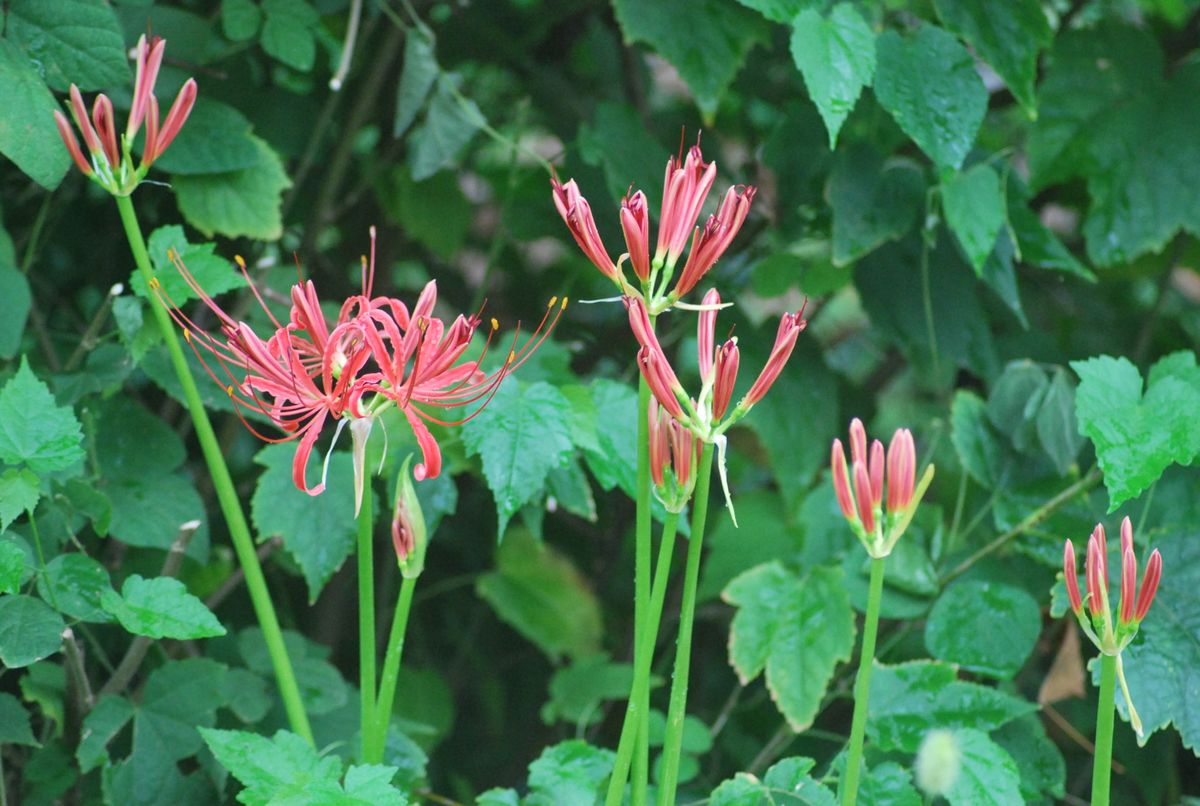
pixel 1138 436
pixel 449 125
pixel 615 140
pixel 836 55
pixel 543 596
pixel 29 630
pixel 216 139
pixel 287 33
pixel 19 493
pixel 873 202
pixel 987 775
pixel 730 553
pixel 708 50
pixel 14 722
pixel 28 135
pixel 521 436
pixel 161 608
pixel 416 79
pixel 780 10
pixel 238 203
pixel 787 783
pixel 274 769
pixel 34 430
pixel 985 627
pixel 1007 36
pixel 976 443
pixel 911 699
pixel 796 628
pixel 974 207
pixel 74 584
pixel 927 81
pixel 215 275
pixel 16 300
pixel 1043 770
pixel 568 772
pixel 70 41
pixel 577 691
pixel 100 726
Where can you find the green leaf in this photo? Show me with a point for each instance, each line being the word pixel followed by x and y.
pixel 14 722
pixel 370 785
pixel 577 691
pixel 615 140
pixel 1138 436
pixel 836 55
pixel 1042 767
pixel 15 303
pixel 317 532
pixel 448 126
pixel 28 134
pixel 568 772
pixel 730 553
pixel 178 698
pixel 29 630
pixel 216 139
pixel 1038 246
pixel 1014 402
pixel 416 79
pixel 873 202
pixel 797 628
pixel 272 770
pixel 434 212
pixel 888 784
pixel 13 567
pixel 110 714
pixel 985 627
pixel 240 19
pixel 1057 428
pixel 34 430
pixel 613 459
pixel 239 203
pixel 161 608
pixel 567 487
pixel 521 436
pixel 708 51
pixel 19 493
pixel 974 208
pixel 70 41
pixel 987 775
pixel 1008 37
pixel 786 783
pixel 287 32
pixel 780 10
pixel 927 81
pixel 214 274
pixel 910 699
pixel 541 594
pixel 975 442
pixel 74 583
pixel 149 513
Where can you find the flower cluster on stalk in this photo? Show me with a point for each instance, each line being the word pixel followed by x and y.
pixel 110 161
pixel 859 486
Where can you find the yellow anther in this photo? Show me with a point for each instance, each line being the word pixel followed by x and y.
pixel 511 357
pixel 154 284
pixel 238 259
pixel 553 302
pixel 564 303
pixel 229 390
pixel 187 336
pixel 495 324
pixel 172 255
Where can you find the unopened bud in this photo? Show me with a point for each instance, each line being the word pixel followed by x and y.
pixel 408 526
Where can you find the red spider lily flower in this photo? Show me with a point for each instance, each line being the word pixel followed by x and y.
pixel 686 186
pixel 674 456
pixel 877 520
pixel 111 164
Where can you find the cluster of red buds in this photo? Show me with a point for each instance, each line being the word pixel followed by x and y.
pixel 860 487
pixel 307 373
pixel 1095 613
pixel 686 185
pixel 674 457
pixel 111 164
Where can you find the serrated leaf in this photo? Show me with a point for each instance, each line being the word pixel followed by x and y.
pixel 797 628
pixel 100 726
pixel 416 79
pixel 13 567
pixel 28 135
pixel 1138 436
pixel 19 493
pixel 836 56
pixel 873 201
pixel 270 769
pixel 448 126
pixel 15 303
pixel 71 41
pixel 214 274
pixel 520 436
pixel 287 32
pixel 613 458
pixel 216 139
pixel 34 430
pixel 568 772
pixel 577 691
pixel 786 783
pixel 14 722
pixel 29 630
pixel 74 584
pixel 908 700
pixel 974 208
pixel 239 203
pixel 927 81
pixel 708 51
pixel 542 595
pixel 161 608
pixel 317 532
pixel 1006 36
pixel 974 440
pixel 985 627
pixel 370 785
pixel 987 775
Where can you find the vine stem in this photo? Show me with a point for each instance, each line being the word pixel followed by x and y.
pixel 366 619
pixel 644 655
pixel 683 651
pixel 1102 763
pixel 227 497
pixel 862 683
pixel 639 702
pixel 391 671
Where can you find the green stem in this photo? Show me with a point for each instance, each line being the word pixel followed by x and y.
pixel 1102 769
pixel 639 702
pixel 231 506
pixel 366 618
pixel 683 652
pixel 862 683
pixel 644 656
pixel 391 671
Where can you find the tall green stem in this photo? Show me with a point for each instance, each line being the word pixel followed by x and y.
pixel 644 655
pixel 640 705
pixel 366 618
pixel 862 683
pixel 231 506
pixel 1102 769
pixel 391 672
pixel 683 651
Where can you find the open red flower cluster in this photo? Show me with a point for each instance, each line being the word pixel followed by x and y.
pixel 379 352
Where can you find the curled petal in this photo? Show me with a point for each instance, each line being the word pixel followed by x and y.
pixel 303 451
pixel 431 453
pixel 1071 578
pixel 149 60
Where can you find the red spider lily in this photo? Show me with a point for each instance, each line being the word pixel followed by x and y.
pixel 859 486
pixel 686 186
pixel 674 457
pixel 1132 606
pixel 111 165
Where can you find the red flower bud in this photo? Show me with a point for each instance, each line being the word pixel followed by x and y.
pixel 1149 585
pixel 875 467
pixel 635 223
pixel 862 493
pixel 1071 578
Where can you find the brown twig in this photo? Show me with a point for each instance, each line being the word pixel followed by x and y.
pixel 236 578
